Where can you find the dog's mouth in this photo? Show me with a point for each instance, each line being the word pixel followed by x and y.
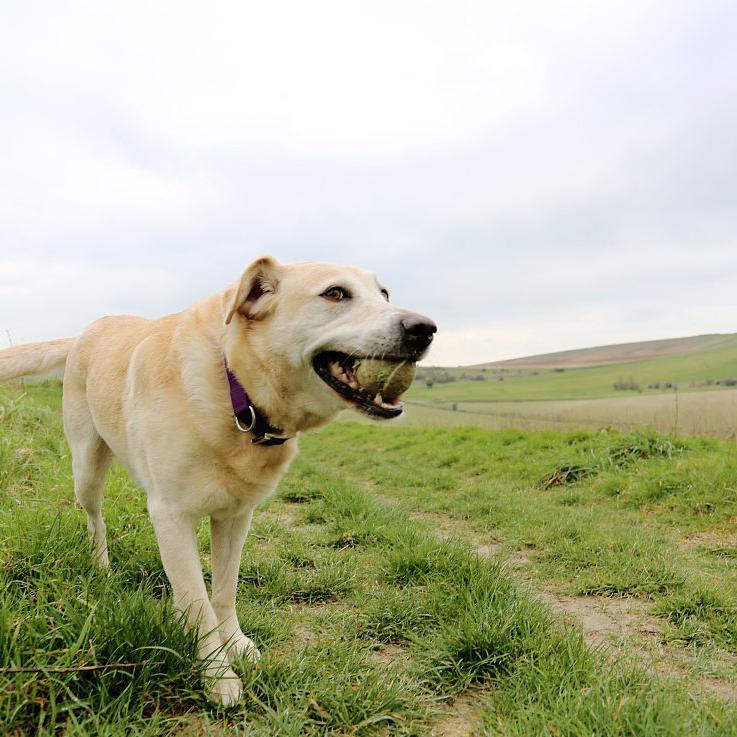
pixel 336 370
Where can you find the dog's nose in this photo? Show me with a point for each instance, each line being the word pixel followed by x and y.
pixel 418 331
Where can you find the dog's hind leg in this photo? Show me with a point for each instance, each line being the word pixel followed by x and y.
pixel 91 459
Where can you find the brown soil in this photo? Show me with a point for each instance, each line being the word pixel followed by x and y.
pixel 712 540
pixel 388 655
pixel 459 718
pixel 603 619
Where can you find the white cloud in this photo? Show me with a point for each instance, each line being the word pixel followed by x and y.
pixel 41 300
pixel 526 173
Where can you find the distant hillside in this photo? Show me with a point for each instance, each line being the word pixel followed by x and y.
pixel 622 353
pixel 703 363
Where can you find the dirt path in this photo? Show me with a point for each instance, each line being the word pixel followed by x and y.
pixel 623 625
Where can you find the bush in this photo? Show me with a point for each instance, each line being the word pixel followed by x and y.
pixel 624 385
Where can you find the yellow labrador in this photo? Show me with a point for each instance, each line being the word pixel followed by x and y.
pixel 203 407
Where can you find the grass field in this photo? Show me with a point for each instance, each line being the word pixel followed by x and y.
pixel 403 582
pixel 684 413
pixel 717 362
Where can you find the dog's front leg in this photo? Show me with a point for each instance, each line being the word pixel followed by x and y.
pixel 179 554
pixel 227 538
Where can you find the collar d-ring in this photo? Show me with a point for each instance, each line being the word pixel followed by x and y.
pixel 253 421
pixel 245 413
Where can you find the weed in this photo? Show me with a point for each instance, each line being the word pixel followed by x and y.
pixel 566 474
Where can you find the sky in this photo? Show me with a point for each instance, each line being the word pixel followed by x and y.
pixel 535 176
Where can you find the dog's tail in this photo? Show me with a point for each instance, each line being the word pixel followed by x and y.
pixel 32 359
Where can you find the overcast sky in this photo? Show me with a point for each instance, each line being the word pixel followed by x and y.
pixel 535 176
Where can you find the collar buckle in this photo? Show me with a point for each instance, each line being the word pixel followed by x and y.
pixel 269 439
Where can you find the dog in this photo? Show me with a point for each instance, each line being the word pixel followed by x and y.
pixel 204 408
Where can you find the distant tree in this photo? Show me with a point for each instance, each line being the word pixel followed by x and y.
pixel 627 385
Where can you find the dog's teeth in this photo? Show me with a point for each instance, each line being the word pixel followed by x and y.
pixel 377 400
pixel 338 372
pixel 353 384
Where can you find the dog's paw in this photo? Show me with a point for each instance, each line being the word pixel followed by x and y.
pixel 242 647
pixel 226 690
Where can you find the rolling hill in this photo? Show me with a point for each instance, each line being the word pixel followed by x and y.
pixel 619 353
pixel 690 364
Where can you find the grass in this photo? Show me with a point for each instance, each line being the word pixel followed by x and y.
pixel 690 413
pixel 368 623
pixel 715 363
pixel 596 512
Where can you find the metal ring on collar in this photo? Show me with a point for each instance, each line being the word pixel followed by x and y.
pixel 253 421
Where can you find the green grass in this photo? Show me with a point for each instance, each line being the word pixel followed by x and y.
pixel 578 383
pixel 369 624
pixel 597 512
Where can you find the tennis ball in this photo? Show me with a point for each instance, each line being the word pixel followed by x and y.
pixel 388 378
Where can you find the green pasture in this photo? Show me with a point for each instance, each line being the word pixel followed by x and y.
pixel 394 586
pixel 579 383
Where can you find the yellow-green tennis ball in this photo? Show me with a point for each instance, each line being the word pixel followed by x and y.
pixel 388 378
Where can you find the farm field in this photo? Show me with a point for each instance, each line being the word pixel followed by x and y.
pixel 401 583
pixel 685 413
pixel 689 371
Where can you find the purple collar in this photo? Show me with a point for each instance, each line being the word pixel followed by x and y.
pixel 248 418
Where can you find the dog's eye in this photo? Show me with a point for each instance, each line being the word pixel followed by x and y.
pixel 386 294
pixel 336 294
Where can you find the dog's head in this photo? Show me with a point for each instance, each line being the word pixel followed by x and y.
pixel 305 325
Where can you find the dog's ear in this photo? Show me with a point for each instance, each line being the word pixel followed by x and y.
pixel 251 298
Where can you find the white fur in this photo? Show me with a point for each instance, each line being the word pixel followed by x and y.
pixel 154 393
